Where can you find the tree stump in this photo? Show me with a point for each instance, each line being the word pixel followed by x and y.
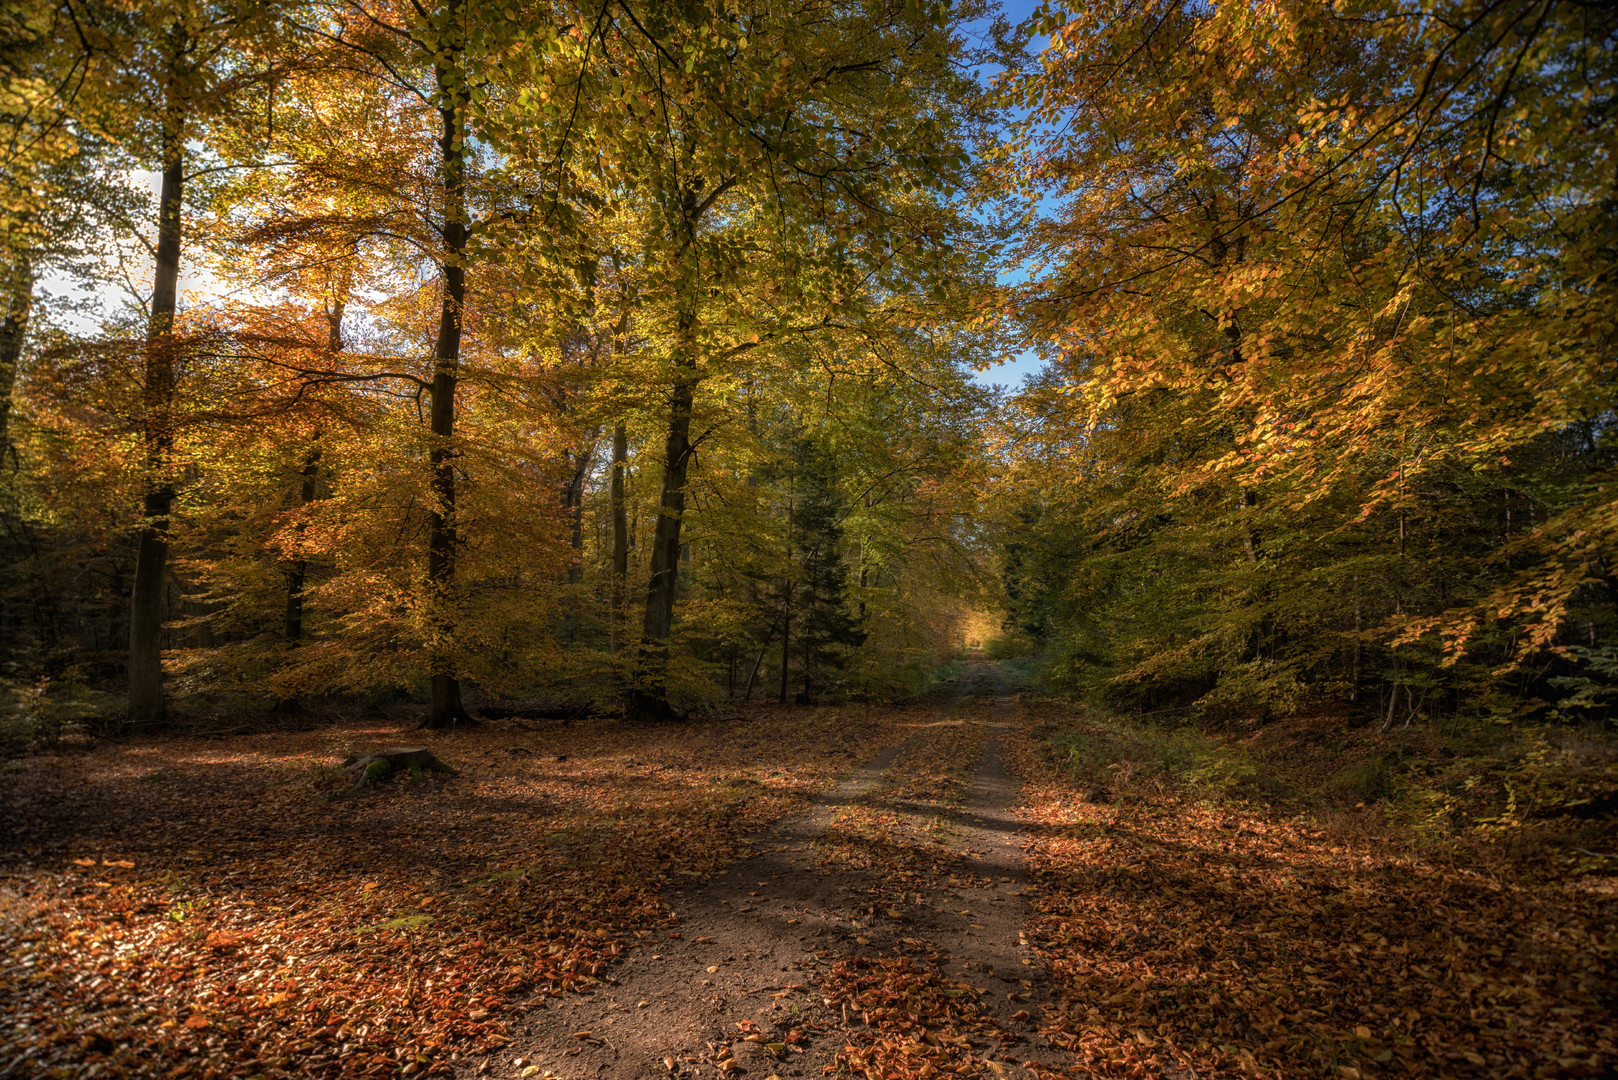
pixel 369 770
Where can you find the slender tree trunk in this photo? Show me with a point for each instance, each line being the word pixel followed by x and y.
pixel 13 330
pixel 297 573
pixel 575 511
pixel 649 699
pixel 146 701
pixel 758 662
pixel 573 503
pixel 786 638
pixel 808 664
pixel 864 581
pixel 445 709
pixel 620 537
pixel 1359 644
pixel 1250 543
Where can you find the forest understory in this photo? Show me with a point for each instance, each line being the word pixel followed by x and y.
pixel 979 883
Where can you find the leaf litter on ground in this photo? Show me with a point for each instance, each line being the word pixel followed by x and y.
pixel 196 908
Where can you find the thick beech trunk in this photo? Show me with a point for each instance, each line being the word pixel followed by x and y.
pixel 13 330
pixel 443 540
pixel 620 538
pixel 649 699
pixel 146 702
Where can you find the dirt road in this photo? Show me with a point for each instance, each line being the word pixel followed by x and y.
pixel 883 874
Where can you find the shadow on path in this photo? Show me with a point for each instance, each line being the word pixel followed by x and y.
pixel 752 939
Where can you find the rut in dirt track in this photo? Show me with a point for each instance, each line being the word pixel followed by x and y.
pixel 753 941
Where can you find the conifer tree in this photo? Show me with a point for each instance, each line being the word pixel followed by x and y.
pixel 826 629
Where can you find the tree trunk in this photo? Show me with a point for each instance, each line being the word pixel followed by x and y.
pixel 13 330
pixel 299 569
pixel 297 573
pixel 649 699
pixel 808 661
pixel 573 506
pixel 446 709
pixel 1359 645
pixel 1250 543
pixel 146 702
pixel 573 497
pixel 786 633
pixel 620 538
pixel 758 662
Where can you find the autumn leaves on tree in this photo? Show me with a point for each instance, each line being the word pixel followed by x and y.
pixel 495 346
pixel 1330 407
pixel 454 246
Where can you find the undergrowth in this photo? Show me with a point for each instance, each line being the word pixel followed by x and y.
pixel 1536 794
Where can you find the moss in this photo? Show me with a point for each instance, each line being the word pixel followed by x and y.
pixel 377 772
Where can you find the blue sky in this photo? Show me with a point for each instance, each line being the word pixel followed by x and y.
pixel 1011 374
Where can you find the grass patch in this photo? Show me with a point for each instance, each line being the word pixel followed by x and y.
pixel 1023 673
pixel 1117 753
pixel 1360 781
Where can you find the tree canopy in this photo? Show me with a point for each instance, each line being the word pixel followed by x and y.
pixel 624 355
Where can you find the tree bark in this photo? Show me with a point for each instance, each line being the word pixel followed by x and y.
pixel 1359 645
pixel 620 538
pixel 573 503
pixel 147 706
pixel 298 571
pixel 649 698
pixel 758 662
pixel 443 540
pixel 13 331
pixel 1245 503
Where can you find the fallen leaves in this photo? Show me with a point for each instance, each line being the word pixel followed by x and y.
pixel 918 1021
pixel 1231 940
pixel 244 925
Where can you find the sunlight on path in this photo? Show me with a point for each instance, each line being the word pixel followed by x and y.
pixel 905 878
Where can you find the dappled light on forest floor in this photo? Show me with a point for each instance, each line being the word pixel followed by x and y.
pixel 232 909
pixel 1233 940
pixel 237 909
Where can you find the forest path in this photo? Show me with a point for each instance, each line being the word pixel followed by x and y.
pixel 911 864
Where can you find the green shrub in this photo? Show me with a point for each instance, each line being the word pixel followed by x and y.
pixel 1162 753
pixel 1010 646
pixel 1361 782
